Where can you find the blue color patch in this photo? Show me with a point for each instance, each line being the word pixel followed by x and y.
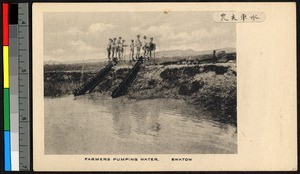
pixel 7 153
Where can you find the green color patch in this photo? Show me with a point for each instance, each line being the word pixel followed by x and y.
pixel 6 110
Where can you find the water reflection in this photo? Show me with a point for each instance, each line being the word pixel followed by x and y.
pixel 147 119
pixel 118 126
pixel 121 119
pixel 143 117
pixel 124 112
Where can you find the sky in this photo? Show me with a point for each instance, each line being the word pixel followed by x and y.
pixel 78 36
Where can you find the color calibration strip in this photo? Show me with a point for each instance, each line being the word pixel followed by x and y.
pixel 6 94
pixel 16 87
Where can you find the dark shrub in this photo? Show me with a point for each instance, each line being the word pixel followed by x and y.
pixel 190 88
pixel 183 89
pixel 220 70
pixel 152 82
pixel 191 71
pixel 170 75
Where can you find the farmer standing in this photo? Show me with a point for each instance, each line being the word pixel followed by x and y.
pixel 132 50
pixel 119 47
pixel 114 48
pixel 151 47
pixel 138 45
pixel 123 49
pixel 145 45
pixel 109 48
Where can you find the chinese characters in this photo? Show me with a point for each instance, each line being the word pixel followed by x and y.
pixel 239 17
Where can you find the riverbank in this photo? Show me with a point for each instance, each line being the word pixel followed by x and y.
pixel 213 86
pixel 209 85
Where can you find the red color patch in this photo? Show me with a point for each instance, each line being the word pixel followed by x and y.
pixel 5 8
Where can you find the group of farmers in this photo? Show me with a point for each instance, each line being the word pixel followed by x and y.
pixel 116 48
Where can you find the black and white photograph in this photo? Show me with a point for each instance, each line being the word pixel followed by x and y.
pixel 162 82
pixel 164 86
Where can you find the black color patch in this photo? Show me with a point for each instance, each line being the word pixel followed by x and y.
pixel 13 14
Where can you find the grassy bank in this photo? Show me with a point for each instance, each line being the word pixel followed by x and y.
pixel 213 86
pixel 209 85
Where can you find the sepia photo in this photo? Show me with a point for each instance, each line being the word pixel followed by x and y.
pixel 139 83
pixel 163 86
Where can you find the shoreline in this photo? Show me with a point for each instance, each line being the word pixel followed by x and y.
pixel 212 86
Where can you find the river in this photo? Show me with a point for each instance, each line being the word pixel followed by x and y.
pixel 97 124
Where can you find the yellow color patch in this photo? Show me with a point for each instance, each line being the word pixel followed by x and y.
pixel 5 67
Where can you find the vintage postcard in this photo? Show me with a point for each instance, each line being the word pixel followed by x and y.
pixel 164 86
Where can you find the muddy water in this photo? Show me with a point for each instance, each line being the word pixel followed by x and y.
pixel 93 124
